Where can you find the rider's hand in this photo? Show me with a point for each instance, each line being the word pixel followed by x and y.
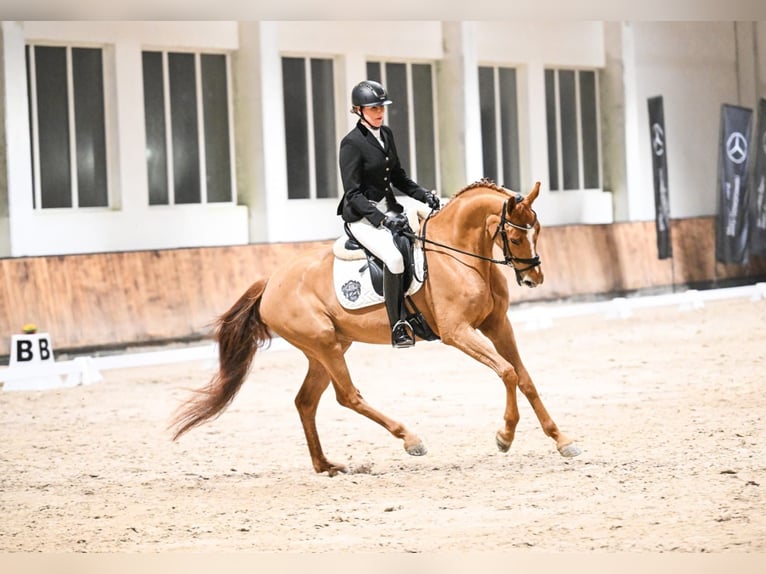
pixel 433 201
pixel 395 224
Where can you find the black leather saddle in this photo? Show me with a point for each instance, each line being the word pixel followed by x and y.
pixel 405 245
pixel 375 265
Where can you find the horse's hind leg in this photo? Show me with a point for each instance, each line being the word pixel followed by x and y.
pixel 349 396
pixel 306 401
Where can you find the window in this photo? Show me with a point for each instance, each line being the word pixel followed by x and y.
pixel 67 124
pixel 571 99
pixel 309 104
pixel 411 116
pixel 500 125
pixel 189 147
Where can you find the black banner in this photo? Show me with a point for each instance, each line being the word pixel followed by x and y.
pixel 758 201
pixel 732 227
pixel 660 169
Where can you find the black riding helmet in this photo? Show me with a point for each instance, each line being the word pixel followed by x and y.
pixel 368 93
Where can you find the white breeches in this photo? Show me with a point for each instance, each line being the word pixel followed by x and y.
pixel 379 241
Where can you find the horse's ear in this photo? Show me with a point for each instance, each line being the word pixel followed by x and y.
pixel 532 194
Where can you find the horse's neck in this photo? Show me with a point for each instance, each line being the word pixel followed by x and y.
pixel 464 226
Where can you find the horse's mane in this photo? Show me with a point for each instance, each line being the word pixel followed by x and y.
pixel 483 182
pixel 486 183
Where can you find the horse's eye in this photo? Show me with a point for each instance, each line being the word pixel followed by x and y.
pixel 515 241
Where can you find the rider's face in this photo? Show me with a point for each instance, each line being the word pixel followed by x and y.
pixel 373 115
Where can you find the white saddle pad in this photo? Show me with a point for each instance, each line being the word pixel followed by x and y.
pixel 351 278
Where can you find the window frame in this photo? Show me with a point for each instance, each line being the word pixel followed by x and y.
pixel 71 121
pixel 311 127
pixel 197 54
pixel 411 160
pixel 559 147
pixel 502 139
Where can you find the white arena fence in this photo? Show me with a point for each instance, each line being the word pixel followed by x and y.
pixel 86 370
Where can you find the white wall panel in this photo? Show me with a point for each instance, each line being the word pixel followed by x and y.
pixel 693 67
pixel 183 34
pixel 577 44
pixel 405 40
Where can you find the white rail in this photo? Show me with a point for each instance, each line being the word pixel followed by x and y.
pixel 87 370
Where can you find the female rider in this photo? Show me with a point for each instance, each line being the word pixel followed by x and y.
pixel 369 167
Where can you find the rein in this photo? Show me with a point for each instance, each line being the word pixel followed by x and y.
pixel 508 257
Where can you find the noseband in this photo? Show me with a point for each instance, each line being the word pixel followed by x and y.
pixel 510 258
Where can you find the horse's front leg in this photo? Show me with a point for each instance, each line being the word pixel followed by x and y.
pixel 499 330
pixel 475 346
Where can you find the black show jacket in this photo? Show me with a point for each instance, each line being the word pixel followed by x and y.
pixel 368 171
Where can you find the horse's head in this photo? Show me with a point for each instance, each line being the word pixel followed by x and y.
pixel 517 234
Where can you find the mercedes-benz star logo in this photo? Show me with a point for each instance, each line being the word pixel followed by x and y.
pixel 736 148
pixel 658 139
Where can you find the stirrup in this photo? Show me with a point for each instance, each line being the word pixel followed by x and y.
pixel 406 338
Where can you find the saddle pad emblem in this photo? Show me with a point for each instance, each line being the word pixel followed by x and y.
pixel 353 286
pixel 351 290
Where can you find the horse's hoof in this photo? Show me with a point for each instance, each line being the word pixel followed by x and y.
pixel 334 469
pixel 570 450
pixel 502 446
pixel 417 450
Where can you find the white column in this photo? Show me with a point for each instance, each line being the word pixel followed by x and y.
pixel 534 136
pixel 747 64
pixel 639 201
pixel 760 58
pixel 474 161
pixel 353 70
pixel 129 186
pixel 262 173
pixel 459 112
pixel 18 161
pixel 612 93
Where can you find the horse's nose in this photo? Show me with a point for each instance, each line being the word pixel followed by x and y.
pixel 532 279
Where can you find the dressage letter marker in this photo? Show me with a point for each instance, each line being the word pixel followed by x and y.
pixel 33 368
pixel 32 365
pixel 31 349
pixel 28 349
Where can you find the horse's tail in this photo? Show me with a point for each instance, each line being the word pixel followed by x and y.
pixel 239 333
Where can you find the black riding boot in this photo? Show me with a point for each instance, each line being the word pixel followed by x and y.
pixel 393 291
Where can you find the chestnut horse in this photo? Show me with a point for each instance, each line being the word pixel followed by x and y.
pixel 464 294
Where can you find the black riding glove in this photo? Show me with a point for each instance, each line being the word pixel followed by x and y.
pixel 433 201
pixel 396 223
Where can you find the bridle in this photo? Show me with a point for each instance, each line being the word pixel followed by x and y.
pixel 508 257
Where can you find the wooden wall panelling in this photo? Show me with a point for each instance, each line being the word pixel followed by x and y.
pixel 28 295
pixel 131 298
pixel 693 243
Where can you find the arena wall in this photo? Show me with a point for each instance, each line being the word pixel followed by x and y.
pixel 122 299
